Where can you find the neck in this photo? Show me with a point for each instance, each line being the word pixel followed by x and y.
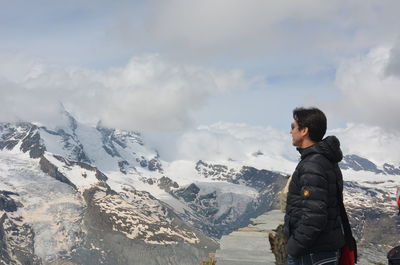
pixel 307 143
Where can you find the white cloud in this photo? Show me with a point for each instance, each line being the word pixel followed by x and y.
pixel 149 93
pixel 369 94
pixel 285 39
pixel 224 141
pixel 393 66
pixel 294 33
pixel 235 27
pixel 236 144
pixel 371 142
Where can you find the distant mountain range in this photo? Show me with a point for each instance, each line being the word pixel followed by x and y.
pixel 358 163
pixel 94 195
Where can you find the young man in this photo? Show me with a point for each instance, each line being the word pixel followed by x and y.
pixel 313 226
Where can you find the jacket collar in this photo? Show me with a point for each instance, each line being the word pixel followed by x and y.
pixel 328 147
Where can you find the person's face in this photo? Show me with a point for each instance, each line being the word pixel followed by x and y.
pixel 298 135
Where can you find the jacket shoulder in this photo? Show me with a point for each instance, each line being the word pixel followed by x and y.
pixel 316 160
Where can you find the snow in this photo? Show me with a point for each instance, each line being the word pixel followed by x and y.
pixel 183 172
pixel 90 138
pixel 132 147
pixel 229 196
pixel 238 147
pixel 53 209
pixel 82 178
pixel 53 143
pixel 134 214
pixel 225 187
pixel 118 182
pixel 275 163
pixel 372 180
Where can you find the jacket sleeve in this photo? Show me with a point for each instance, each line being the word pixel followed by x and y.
pixel 314 200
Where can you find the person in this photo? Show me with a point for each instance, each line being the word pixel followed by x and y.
pixel 313 226
pixel 398 199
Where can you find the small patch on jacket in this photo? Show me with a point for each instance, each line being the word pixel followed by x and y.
pixel 306 193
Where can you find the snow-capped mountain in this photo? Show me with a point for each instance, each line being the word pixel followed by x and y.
pixel 234 196
pixel 66 209
pixel 358 163
pixel 94 195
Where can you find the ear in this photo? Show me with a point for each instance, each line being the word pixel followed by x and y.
pixel 304 131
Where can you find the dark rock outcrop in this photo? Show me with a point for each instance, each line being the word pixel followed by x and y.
pixel 113 139
pixel 155 165
pixel 11 134
pixel 358 163
pixel 258 153
pixel 214 171
pixel 391 169
pixel 25 133
pixel 47 167
pixel 255 178
pixel 189 193
pixel 99 175
pixel 123 166
pixel 167 184
pixel 33 144
pixel 278 245
pixel 6 203
pixel 16 242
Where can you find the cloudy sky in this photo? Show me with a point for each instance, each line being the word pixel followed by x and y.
pixel 175 65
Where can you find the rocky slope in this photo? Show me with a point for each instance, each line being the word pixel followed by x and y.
pixel 55 217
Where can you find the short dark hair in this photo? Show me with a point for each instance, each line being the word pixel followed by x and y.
pixel 313 119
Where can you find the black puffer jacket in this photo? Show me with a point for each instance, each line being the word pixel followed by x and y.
pixel 312 220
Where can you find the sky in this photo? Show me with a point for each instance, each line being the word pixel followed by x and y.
pixel 172 66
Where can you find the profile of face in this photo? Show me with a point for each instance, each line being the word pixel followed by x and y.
pixel 298 135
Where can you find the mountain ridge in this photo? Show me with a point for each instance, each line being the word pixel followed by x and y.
pixel 109 169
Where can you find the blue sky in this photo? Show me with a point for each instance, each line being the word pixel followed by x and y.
pixel 157 65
